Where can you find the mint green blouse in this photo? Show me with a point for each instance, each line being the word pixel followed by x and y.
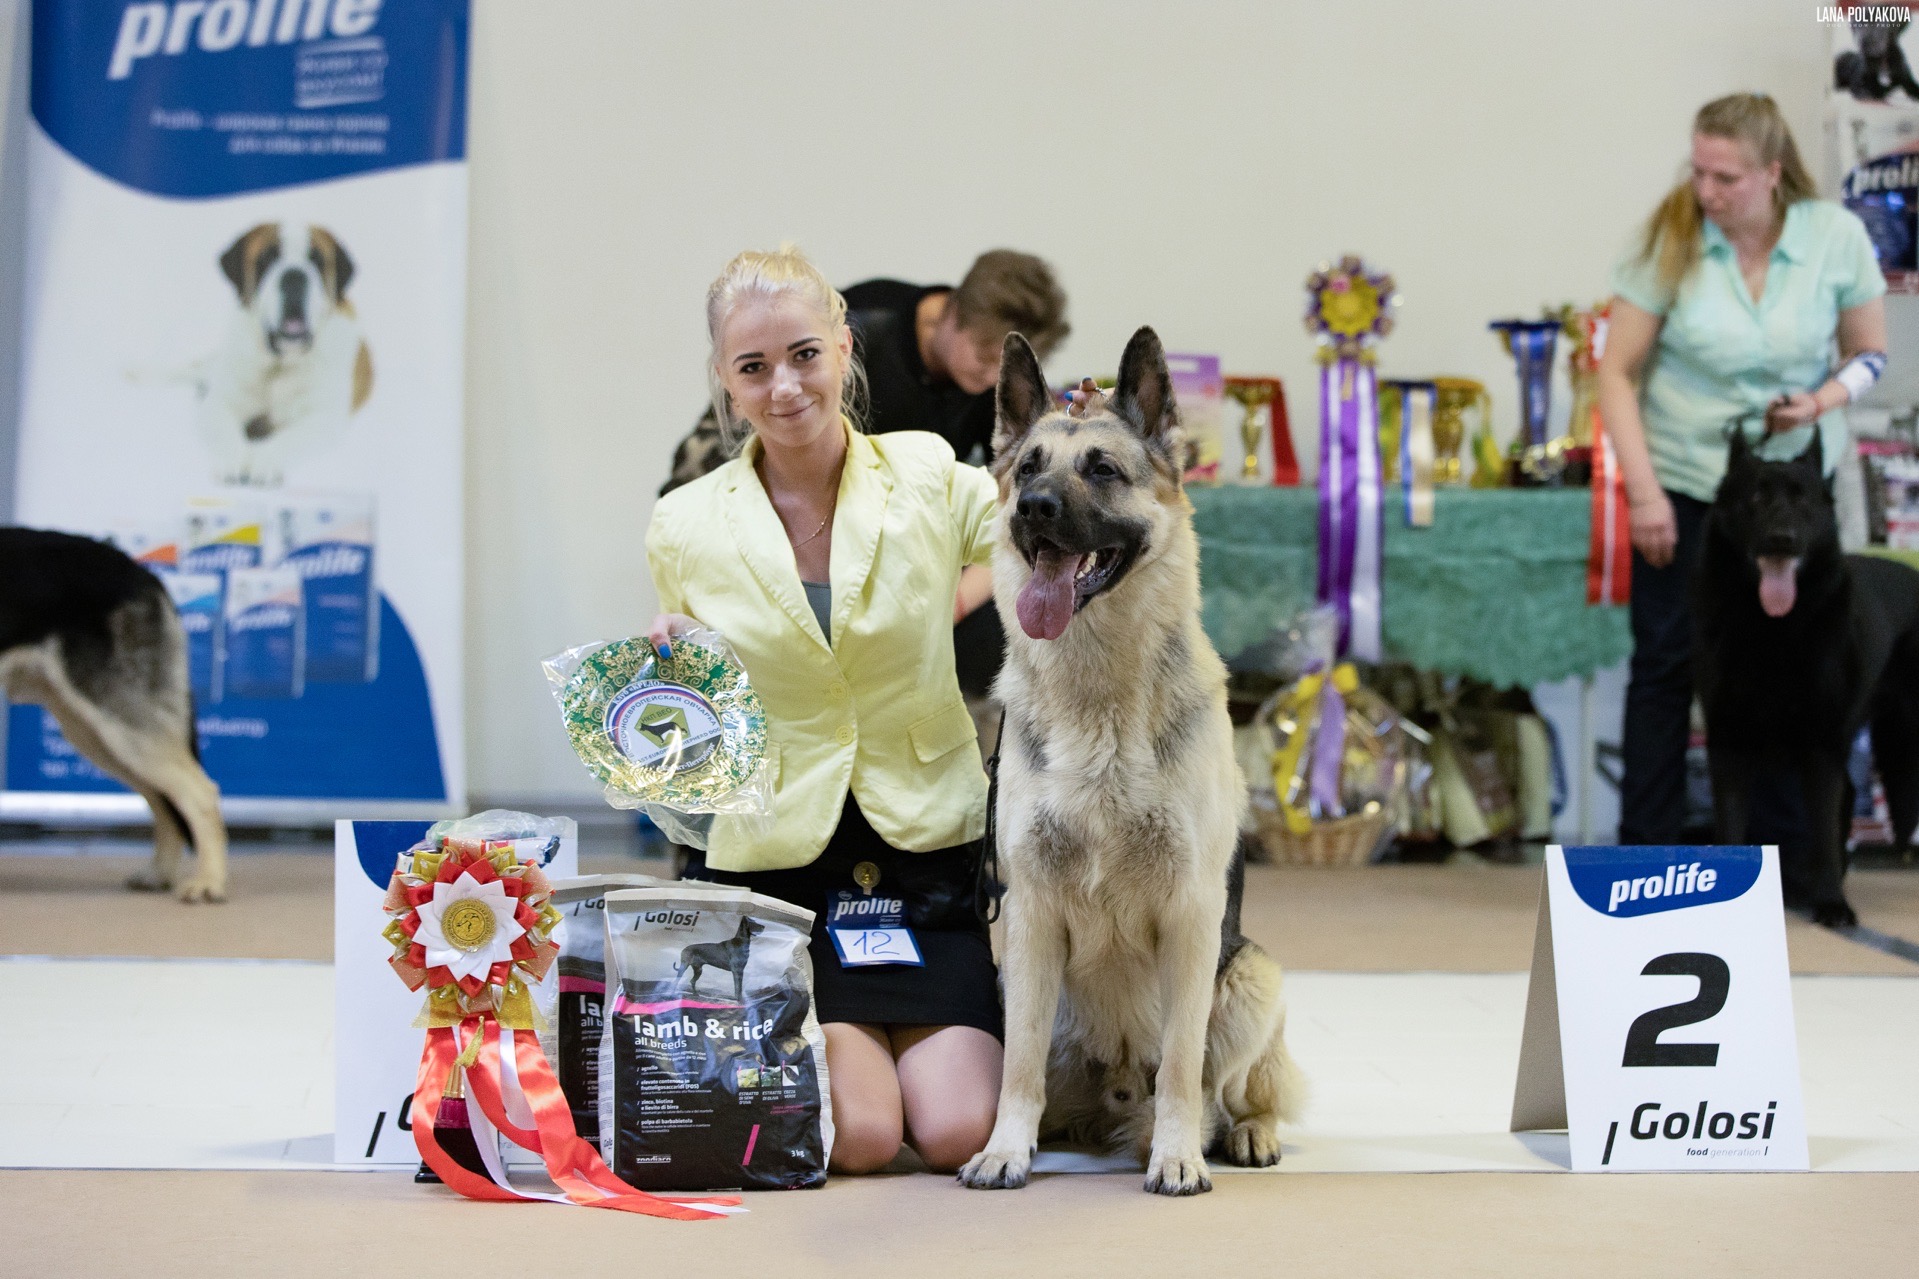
pixel 1720 355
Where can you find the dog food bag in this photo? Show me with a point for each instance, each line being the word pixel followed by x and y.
pixel 681 738
pixel 329 539
pixel 572 1043
pixel 265 635
pixel 197 598
pixel 712 1063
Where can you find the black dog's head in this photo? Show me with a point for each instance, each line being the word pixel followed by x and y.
pixel 1776 514
pixel 1087 498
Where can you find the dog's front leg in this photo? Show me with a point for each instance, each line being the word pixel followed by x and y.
pixel 1035 969
pixel 1825 786
pixel 1731 772
pixel 1188 956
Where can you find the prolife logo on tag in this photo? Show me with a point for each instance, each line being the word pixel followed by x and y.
pixel 660 725
pixel 1659 1027
pixel 869 930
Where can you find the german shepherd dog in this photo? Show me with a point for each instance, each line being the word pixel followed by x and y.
pixel 1796 648
pixel 1119 805
pixel 94 638
pixel 730 954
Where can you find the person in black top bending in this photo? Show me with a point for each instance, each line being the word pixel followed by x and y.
pixel 931 355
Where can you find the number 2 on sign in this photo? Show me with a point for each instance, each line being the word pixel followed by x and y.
pixel 1642 1037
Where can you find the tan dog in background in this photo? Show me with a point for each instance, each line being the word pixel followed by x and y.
pixel 1119 805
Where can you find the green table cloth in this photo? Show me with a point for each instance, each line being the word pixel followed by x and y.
pixel 1495 589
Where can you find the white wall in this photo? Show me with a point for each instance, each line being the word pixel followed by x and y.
pixel 1183 165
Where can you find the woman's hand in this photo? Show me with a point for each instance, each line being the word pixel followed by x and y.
pixel 1789 411
pixel 1655 532
pixel 660 634
pixel 1085 398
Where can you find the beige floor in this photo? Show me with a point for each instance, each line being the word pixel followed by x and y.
pixel 1447 918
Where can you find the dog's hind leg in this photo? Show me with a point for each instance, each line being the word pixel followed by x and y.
pixel 193 798
pixel 169 839
pixel 1895 753
pixel 1246 1050
pixel 1035 970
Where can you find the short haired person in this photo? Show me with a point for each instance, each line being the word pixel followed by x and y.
pixel 844 632
pixel 931 355
pixel 1742 285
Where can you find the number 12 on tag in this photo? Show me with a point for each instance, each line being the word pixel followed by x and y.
pixel 861 946
pixel 1659 1026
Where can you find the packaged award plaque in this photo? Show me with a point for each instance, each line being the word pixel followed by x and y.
pixel 680 738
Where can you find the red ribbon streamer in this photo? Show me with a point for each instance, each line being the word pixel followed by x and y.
pixel 1609 558
pixel 574 1166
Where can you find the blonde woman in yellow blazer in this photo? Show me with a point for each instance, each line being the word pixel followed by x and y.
pixel 830 561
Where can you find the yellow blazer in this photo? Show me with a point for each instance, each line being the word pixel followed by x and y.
pixel 879 709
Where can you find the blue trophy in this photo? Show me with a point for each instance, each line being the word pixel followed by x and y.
pixel 1531 343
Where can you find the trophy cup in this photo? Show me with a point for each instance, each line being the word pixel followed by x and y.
pixel 1251 394
pixel 1531 343
pixel 1456 396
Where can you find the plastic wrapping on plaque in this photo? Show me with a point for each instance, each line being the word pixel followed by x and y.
pixel 681 738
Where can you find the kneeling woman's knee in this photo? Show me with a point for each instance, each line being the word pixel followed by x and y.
pixel 950 1140
pixel 864 1142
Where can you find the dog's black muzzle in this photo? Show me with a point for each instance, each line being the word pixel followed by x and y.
pixel 1046 519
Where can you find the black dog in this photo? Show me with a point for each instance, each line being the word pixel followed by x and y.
pixel 1798 646
pixel 730 954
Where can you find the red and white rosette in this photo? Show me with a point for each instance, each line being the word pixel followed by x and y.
pixel 473 925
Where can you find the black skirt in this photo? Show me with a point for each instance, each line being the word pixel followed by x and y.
pixel 958 984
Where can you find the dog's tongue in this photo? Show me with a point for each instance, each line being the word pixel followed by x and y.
pixel 1778 584
pixel 1046 601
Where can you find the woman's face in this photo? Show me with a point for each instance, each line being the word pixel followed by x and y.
pixel 783 364
pixel 1734 189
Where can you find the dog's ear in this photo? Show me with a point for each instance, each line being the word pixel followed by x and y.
pixel 1739 456
pixel 336 267
pixel 1144 395
pixel 1023 397
pixel 1813 456
pixel 241 262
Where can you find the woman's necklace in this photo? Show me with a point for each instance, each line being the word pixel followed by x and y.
pixel 810 536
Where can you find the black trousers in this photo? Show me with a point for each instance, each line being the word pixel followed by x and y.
pixel 1659 691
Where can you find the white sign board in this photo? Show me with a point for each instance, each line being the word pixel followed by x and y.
pixel 376 1046
pixel 1659 1027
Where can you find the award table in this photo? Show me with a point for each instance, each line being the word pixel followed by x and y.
pixel 1494 589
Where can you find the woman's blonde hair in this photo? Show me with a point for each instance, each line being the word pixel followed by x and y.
pixel 1671 240
pixel 785 272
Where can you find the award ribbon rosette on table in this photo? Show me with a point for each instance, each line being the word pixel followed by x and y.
pixel 681 736
pixel 1348 310
pixel 472 925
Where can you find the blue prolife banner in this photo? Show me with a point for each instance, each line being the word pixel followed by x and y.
pixel 242 363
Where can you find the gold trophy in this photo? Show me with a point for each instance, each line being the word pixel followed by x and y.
pixel 1457 396
pixel 1583 329
pixel 1251 394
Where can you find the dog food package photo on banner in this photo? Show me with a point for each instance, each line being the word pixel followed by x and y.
pixel 572 1039
pixel 680 736
pixel 712 1061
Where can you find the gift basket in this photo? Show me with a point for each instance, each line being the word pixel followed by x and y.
pixel 1328 759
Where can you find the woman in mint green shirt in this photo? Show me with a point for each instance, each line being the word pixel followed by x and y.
pixel 1731 309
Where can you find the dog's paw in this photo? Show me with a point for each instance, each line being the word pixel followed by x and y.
pixel 1178 1175
pixel 149 881
pixel 1252 1145
pixel 1835 914
pixel 202 890
pixel 996 1170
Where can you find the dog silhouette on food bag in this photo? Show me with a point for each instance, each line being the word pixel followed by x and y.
pixel 731 955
